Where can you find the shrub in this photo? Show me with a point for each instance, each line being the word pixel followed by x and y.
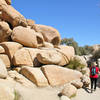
pixel 75 64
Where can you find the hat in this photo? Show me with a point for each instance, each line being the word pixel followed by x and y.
pixel 94 63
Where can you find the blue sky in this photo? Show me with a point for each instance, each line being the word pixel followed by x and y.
pixel 78 19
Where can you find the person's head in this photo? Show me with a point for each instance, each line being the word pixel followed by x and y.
pixel 93 64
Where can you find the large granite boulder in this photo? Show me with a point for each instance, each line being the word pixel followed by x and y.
pixel 35 75
pixel 5 31
pixel 57 75
pixel 49 56
pixel 9 14
pixel 27 37
pixel 50 34
pixel 22 58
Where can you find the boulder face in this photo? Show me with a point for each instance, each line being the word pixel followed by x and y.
pixel 11 48
pixel 81 59
pixel 22 58
pixel 33 53
pixel 5 60
pixel 3 70
pixel 49 56
pixel 2 50
pixel 27 37
pixel 50 34
pixel 67 53
pixel 69 90
pixel 48 45
pixel 5 31
pixel 35 75
pixel 57 75
pixel 12 16
pixel 20 79
pixel 77 83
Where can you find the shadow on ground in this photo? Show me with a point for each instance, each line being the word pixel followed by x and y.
pixel 87 89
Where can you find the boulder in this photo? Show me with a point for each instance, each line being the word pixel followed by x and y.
pixel 6 60
pixel 50 34
pixel 48 45
pixel 58 76
pixel 67 53
pixel 86 81
pixel 5 31
pixel 20 79
pixel 27 37
pixel 10 48
pixel 81 59
pixel 10 15
pixel 2 50
pixel 77 83
pixel 69 90
pixel 8 2
pixel 33 53
pixel 3 70
pixel 49 56
pixel 86 71
pixel 22 58
pixel 35 75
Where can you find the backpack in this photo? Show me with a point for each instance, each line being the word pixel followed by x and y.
pixel 93 71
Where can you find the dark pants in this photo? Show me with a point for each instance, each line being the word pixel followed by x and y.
pixel 93 83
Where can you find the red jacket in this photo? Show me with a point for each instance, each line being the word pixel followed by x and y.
pixel 97 71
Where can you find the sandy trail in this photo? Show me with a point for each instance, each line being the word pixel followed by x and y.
pixel 85 94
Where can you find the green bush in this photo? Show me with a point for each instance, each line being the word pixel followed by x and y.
pixel 75 64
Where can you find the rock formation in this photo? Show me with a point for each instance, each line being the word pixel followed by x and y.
pixel 33 51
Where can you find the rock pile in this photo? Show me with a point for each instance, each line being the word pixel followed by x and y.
pixel 32 50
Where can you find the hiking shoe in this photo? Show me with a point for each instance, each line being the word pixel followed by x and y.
pixel 94 89
pixel 91 90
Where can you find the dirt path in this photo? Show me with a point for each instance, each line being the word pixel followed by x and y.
pixel 85 94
